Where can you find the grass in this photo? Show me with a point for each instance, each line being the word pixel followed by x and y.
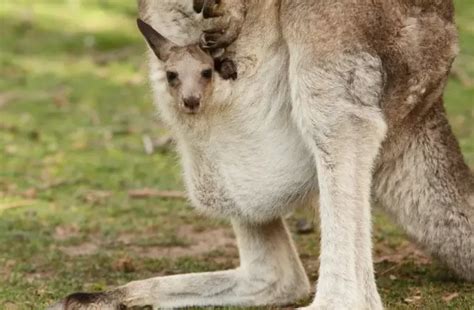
pixel 74 106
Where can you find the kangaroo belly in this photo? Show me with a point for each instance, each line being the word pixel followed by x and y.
pixel 256 180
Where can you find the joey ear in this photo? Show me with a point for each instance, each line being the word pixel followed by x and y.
pixel 159 44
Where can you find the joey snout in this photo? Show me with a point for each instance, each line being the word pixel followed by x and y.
pixel 191 104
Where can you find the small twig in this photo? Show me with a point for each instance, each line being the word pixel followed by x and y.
pixel 57 183
pixel 448 297
pixel 16 204
pixel 151 193
pixel 397 265
pixel 148 144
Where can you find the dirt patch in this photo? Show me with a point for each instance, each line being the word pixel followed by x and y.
pixel 406 251
pixel 194 242
pixel 6 269
pixel 64 232
pixel 86 248
pixel 38 276
pixel 10 306
pixel 200 243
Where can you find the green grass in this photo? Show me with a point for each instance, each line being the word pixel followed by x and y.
pixel 74 106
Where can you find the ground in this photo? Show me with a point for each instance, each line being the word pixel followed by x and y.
pixel 75 114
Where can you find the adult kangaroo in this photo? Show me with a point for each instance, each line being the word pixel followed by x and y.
pixel 342 97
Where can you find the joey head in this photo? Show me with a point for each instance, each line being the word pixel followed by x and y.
pixel 189 69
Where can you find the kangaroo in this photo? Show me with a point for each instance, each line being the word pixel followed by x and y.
pixel 340 97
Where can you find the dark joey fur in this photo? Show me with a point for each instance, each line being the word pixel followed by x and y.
pixel 233 12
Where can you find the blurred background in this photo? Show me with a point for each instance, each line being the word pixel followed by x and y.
pixel 90 189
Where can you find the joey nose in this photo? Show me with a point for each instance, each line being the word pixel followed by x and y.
pixel 192 103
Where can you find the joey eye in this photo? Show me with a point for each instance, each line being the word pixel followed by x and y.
pixel 207 74
pixel 171 76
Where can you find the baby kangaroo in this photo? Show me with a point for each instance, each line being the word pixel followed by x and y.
pixel 189 69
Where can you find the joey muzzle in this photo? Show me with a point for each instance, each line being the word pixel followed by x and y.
pixel 191 104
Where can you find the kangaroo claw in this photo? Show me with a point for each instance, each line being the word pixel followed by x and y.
pixel 213 39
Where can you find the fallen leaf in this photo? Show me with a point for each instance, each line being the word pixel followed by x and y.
pixel 124 264
pixel 416 297
pixel 97 197
pixel 65 232
pixel 30 193
pixel 449 297
pixel 412 299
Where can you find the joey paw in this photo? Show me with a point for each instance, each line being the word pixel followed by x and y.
pixel 208 8
pixel 226 69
